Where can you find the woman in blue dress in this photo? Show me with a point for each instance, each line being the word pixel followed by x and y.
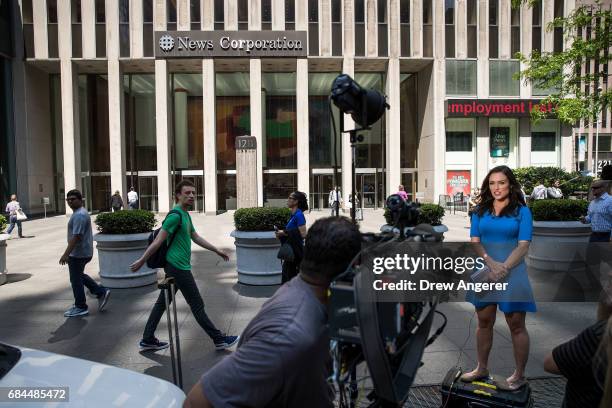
pixel 294 233
pixel 502 226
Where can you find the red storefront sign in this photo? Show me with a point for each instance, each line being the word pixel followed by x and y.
pixel 467 108
pixel 458 181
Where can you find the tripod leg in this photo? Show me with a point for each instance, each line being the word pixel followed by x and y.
pixel 179 367
pixel 353 390
pixel 167 297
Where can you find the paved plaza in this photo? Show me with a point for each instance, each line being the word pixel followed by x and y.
pixel 32 304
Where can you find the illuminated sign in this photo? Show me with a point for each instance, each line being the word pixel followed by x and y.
pixel 468 108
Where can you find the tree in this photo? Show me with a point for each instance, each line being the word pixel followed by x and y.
pixel 575 94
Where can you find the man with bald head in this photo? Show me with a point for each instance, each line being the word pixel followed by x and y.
pixel 599 214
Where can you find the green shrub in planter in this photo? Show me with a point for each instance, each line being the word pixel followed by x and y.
pixel 125 222
pixel 3 223
pixel 428 214
pixel 261 218
pixel 558 210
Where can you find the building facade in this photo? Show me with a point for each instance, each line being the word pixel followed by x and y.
pixel 99 106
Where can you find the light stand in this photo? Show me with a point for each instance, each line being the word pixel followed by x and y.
pixel 595 164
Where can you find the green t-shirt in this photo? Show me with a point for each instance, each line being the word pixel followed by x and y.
pixel 179 253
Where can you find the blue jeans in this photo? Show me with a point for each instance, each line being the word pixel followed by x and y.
pixel 13 220
pixel 595 236
pixel 78 279
pixel 186 284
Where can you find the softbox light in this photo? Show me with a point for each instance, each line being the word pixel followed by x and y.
pixel 365 106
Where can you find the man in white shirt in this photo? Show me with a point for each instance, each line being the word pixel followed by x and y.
pixel 335 201
pixel 132 199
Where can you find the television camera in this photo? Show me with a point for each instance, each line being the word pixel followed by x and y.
pixel 389 337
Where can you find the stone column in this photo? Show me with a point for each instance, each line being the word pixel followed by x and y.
pixel 348 27
pixel 255 15
pixel 207 13
pixel 548 15
pixel 416 28
pixel 325 28
pixel 116 132
pixel 524 141
pixel 461 29
pixel 393 152
pixel 210 136
pixel 231 15
pixel 164 184
pixel 371 25
pixel 482 149
pixel 88 28
pixel 439 91
pixel 526 40
pixel 136 29
pixel 302 126
pixel 256 120
pixel 41 35
pixel 483 50
pixel 394 31
pixel 278 14
pixel 348 67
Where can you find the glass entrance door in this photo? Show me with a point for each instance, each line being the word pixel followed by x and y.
pixel 367 192
pixel 320 185
pixel 147 191
pixel 198 182
pixel 96 192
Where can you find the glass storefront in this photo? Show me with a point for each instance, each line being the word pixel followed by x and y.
pixel 58 147
pixel 277 187
pixel 140 138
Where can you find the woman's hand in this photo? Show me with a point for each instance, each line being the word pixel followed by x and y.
pixel 280 233
pixel 498 270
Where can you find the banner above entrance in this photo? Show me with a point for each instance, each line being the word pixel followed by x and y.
pixel 207 44
pixel 469 108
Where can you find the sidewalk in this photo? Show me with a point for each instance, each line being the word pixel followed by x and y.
pixel 33 302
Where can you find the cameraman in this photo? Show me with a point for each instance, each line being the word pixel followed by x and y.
pixel 282 359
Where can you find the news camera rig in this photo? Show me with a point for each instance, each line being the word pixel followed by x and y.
pixel 388 337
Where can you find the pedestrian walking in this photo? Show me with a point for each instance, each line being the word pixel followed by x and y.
pixel 12 209
pixel 178 230
pixel 335 201
pixel 78 253
pixel 599 214
pixel 294 234
pixel 116 201
pixel 132 199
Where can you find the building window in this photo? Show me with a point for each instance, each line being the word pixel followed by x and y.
pixel 313 27
pixel 75 11
pixel 405 28
pixel 558 31
pixel 124 28
pixel 336 16
pixel 266 14
pixel 171 14
pixel 383 35
pixel 472 28
pixel 195 14
pixel 289 14
pixel 280 126
pixel 543 141
pixel 461 77
pixel 101 29
pixel 147 19
pixel 52 28
pixel 233 115
pixel 515 31
pixel 409 137
pixel 277 187
pixel 493 29
pixel 536 30
pixel 359 28
pixel 427 29
pixel 188 122
pixel 321 134
pixel 220 14
pixel 449 26
pixel 459 134
pixel 243 14
pixel 501 82
pixel 28 28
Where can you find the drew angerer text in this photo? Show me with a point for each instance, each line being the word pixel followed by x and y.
pixel 425 285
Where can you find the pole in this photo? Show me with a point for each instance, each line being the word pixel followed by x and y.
pixel 353 175
pixel 595 164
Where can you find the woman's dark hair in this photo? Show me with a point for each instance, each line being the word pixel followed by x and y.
pixel 301 199
pixel 486 198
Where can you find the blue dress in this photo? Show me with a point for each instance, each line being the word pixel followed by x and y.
pixel 499 236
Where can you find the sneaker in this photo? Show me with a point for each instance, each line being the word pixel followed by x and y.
pixel 103 299
pixel 76 311
pixel 226 342
pixel 153 344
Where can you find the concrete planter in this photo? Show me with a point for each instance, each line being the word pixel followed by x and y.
pixel 116 253
pixel 256 260
pixel 438 229
pixel 3 271
pixel 558 245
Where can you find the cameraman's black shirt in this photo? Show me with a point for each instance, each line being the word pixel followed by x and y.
pixel 583 367
pixel 282 359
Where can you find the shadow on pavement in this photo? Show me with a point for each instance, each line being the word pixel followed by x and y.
pixel 17 277
pixel 255 291
pixel 69 329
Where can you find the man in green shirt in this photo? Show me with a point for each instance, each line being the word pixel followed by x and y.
pixel 178 266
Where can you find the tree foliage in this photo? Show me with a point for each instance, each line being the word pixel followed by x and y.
pixel 574 92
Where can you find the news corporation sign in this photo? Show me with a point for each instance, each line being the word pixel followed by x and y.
pixel 208 44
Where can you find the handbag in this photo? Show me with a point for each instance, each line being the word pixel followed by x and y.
pixel 285 253
pixel 21 215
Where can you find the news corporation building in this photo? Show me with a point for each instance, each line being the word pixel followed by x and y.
pixel 106 95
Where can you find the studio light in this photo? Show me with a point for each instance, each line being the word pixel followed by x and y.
pixel 365 106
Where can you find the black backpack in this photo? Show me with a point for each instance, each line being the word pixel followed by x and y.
pixel 158 258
